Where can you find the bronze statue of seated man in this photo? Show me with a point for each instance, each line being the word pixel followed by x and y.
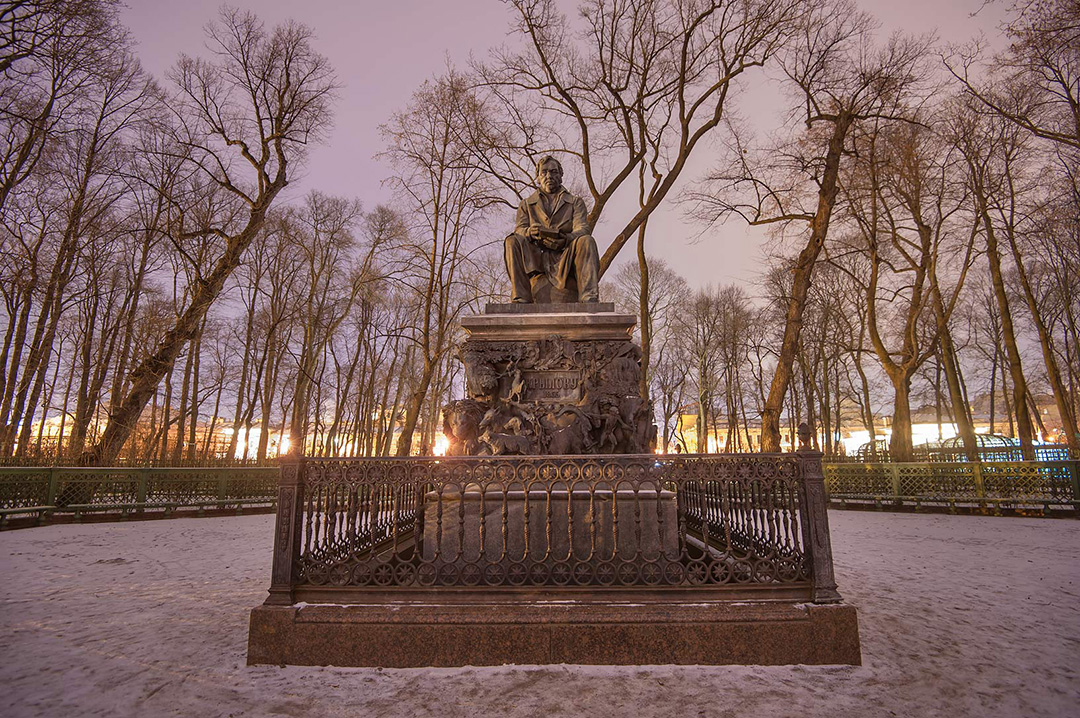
pixel 551 257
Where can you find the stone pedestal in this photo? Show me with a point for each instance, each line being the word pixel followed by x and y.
pixel 543 527
pixel 575 322
pixel 530 564
pixel 482 629
pixel 550 379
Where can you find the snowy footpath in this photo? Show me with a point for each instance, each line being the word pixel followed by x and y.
pixel 959 615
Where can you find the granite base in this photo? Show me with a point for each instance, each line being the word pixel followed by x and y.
pixel 463 631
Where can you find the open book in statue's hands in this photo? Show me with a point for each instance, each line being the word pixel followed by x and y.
pixel 548 238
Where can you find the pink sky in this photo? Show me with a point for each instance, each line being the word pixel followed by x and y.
pixel 383 49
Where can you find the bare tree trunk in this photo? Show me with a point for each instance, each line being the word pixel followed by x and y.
pixel 412 412
pixel 196 351
pixel 1053 373
pixel 209 436
pixel 82 396
pixel 1012 351
pixel 867 407
pixel 645 316
pixel 900 444
pixel 166 418
pixel 993 390
pixel 145 377
pixel 804 267
pixel 181 416
pixel 960 410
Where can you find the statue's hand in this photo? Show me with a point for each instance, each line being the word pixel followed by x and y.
pixel 556 243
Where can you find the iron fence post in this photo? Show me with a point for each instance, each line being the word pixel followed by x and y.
pixel 980 487
pixel 143 483
pixel 1074 467
pixel 287 528
pixel 815 522
pixel 50 496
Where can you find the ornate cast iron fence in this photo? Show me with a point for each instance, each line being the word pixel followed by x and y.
pixel 1048 485
pixel 51 492
pixel 744 524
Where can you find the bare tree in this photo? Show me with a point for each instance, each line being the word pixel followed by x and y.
pixel 445 195
pixel 1035 83
pixel 49 51
pixel 325 242
pixel 643 84
pixel 72 206
pixel 841 80
pixel 991 148
pixel 253 109
pixel 900 196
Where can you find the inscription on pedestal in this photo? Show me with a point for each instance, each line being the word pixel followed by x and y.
pixel 551 385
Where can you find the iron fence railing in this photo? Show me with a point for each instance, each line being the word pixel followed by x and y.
pixel 1048 485
pixel 47 493
pixel 752 523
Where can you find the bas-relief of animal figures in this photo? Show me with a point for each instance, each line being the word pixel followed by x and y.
pixel 568 431
pixel 603 415
pixel 511 440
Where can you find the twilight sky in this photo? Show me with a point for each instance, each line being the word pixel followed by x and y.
pixel 383 49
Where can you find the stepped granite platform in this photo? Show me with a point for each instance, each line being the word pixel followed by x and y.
pixel 552 533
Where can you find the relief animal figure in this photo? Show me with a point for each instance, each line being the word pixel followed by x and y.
pixel 567 432
pixel 508 441
pixel 517 386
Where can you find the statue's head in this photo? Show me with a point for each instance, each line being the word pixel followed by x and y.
pixel 549 174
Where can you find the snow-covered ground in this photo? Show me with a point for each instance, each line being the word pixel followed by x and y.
pixel 960 616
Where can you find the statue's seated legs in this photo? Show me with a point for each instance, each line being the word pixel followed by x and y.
pixel 544 275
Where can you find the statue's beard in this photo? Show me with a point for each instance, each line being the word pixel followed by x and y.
pixel 550 187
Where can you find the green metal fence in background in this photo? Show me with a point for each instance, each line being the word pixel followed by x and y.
pixel 41 494
pixel 1041 486
pixel 35 495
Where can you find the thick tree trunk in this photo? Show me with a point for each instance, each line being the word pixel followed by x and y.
pixel 804 267
pixel 146 377
pixel 1012 351
pixel 1053 373
pixel 645 318
pixel 412 412
pixel 900 444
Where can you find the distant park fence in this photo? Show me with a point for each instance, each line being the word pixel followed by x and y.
pixel 989 486
pixel 37 495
